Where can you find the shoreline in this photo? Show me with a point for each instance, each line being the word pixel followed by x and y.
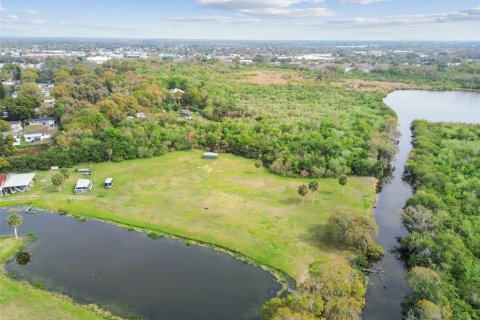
pixel 285 280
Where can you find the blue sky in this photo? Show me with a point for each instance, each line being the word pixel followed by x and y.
pixel 244 19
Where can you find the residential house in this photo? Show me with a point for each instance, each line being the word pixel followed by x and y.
pixel 38 133
pixel 18 182
pixel 42 121
pixel 15 125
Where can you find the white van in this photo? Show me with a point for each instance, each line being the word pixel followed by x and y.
pixel 108 183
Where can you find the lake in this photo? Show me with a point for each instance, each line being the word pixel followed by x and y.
pixel 129 273
pixel 386 292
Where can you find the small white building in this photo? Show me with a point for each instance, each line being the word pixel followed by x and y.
pixel 83 186
pixel 18 182
pixel 42 121
pixel 38 135
pixel 98 59
pixel 140 115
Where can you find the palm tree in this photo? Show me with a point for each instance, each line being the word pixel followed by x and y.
pixel 302 190
pixel 109 153
pixel 343 179
pixel 65 173
pixel 58 180
pixel 14 221
pixel 313 186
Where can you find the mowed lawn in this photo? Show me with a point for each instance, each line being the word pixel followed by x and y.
pixel 21 301
pixel 227 202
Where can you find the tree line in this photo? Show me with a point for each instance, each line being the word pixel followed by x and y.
pixel 310 129
pixel 443 220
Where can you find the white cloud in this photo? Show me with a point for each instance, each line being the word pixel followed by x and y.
pixel 362 1
pixel 39 21
pixel 274 8
pixel 472 14
pixel 217 19
pixel 2 9
pixel 11 18
pixel 30 12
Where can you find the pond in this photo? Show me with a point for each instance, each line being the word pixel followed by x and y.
pixel 129 273
pixel 386 292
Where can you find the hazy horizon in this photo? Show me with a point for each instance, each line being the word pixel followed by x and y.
pixel 280 20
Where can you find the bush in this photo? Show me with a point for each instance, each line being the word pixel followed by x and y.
pixel 354 231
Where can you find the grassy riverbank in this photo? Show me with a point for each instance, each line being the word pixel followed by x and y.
pixel 22 301
pixel 227 202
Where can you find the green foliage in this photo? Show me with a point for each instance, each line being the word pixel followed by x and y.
pixel 354 231
pixel 302 191
pixel 309 128
pixel 332 291
pixel 14 220
pixel 443 245
pixel 313 186
pixel 65 173
pixel 418 218
pixel 57 180
pixel 29 75
pixel 342 180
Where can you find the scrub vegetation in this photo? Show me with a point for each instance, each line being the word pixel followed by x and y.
pixel 300 126
pixel 443 218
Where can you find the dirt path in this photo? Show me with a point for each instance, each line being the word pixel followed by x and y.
pixel 48 196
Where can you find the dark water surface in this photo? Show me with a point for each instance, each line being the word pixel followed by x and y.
pixel 386 292
pixel 129 273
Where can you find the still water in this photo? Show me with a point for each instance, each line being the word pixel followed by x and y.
pixel 386 292
pixel 131 274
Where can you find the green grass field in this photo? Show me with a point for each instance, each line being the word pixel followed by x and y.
pixel 227 202
pixel 21 301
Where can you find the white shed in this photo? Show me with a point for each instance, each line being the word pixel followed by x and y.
pixel 83 186
pixel 18 182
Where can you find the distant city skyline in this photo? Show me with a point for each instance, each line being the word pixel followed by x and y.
pixel 244 19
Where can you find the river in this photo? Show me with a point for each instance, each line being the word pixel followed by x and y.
pixel 386 292
pixel 129 273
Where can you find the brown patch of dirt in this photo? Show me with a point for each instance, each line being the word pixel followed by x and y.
pixel 264 77
pixel 370 85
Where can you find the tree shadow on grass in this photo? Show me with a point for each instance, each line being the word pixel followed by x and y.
pixel 317 235
pixel 325 192
pixel 290 201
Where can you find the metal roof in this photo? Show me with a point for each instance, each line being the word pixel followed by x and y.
pixel 210 154
pixel 108 180
pixel 19 180
pixel 82 184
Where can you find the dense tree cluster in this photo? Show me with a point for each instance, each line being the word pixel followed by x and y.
pixel 443 219
pixel 309 129
pixel 333 291
pixel 354 231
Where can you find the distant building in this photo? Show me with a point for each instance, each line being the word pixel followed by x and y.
pixel 15 125
pixel 16 136
pixel 42 121
pixel 83 186
pixel 177 93
pixel 20 182
pixel 98 59
pixel 210 155
pixel 140 115
pixel 39 134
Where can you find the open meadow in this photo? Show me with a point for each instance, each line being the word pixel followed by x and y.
pixel 227 202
